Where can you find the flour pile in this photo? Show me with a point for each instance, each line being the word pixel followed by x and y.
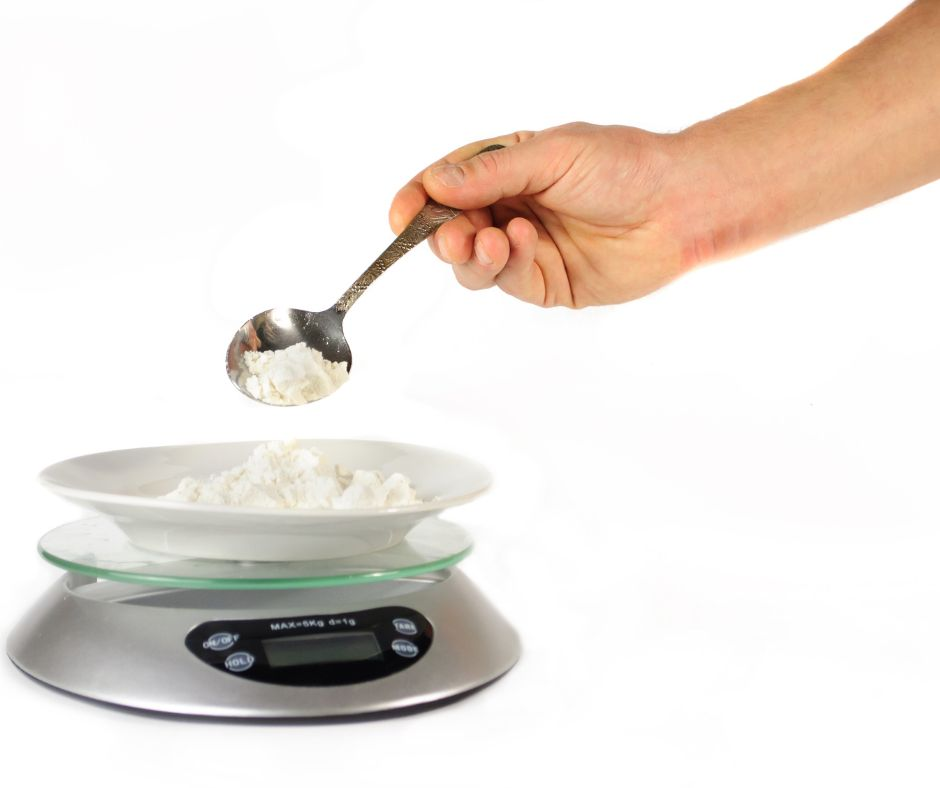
pixel 292 376
pixel 282 475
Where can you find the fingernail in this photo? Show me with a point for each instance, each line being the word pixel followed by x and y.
pixel 448 174
pixel 482 257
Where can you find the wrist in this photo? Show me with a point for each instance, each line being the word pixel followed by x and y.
pixel 859 131
pixel 732 191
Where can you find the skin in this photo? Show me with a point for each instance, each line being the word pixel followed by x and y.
pixel 582 215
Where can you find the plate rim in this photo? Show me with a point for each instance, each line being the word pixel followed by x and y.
pixel 75 494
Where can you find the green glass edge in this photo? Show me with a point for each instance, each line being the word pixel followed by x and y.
pixel 246 583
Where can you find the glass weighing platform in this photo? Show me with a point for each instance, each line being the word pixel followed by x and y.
pixel 378 632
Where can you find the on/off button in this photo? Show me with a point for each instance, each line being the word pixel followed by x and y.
pixel 405 648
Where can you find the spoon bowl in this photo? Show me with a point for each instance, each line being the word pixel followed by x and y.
pixel 281 328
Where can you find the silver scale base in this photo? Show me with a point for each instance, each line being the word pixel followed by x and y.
pixel 124 644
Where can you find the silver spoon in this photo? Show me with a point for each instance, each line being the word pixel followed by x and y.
pixel 280 328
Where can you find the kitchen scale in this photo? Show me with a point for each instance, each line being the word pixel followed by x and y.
pixel 381 631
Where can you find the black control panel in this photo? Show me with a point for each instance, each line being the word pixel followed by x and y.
pixel 316 650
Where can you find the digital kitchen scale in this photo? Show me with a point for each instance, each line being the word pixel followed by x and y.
pixel 376 632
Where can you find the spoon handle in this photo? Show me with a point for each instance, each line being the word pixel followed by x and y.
pixel 429 218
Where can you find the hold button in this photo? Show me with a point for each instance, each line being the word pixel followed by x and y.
pixel 239 662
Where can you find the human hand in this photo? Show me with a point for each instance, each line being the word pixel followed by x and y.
pixel 575 215
pixel 578 215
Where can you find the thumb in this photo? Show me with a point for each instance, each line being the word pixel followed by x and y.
pixel 527 167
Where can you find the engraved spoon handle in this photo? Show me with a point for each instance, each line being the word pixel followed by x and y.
pixel 429 218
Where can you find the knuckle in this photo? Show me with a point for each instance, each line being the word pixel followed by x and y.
pixel 576 128
pixel 489 164
pixel 571 135
pixel 468 279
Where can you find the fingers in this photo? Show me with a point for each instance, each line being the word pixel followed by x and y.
pixel 491 249
pixel 531 165
pixel 521 276
pixel 406 204
pixel 453 241
pixel 480 253
pixel 412 196
pixel 506 259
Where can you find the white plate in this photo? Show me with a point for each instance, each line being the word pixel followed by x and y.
pixel 126 485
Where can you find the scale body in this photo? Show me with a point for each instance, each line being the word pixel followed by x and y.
pixel 309 645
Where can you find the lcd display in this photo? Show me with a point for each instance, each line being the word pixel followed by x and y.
pixel 321 649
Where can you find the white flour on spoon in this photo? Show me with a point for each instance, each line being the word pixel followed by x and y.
pixel 292 376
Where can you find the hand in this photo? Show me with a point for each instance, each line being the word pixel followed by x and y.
pixel 579 215
pixel 576 215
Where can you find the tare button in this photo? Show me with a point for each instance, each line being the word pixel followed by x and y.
pixel 239 662
pixel 405 648
pixel 405 626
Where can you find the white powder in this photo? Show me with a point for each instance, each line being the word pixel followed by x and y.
pixel 281 474
pixel 293 376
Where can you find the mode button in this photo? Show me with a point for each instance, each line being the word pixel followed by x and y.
pixel 405 648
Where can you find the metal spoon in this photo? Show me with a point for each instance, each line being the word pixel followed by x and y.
pixel 277 329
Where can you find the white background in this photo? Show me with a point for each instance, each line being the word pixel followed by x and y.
pixel 715 521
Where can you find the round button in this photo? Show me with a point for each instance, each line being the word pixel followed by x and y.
pixel 405 626
pixel 405 648
pixel 239 662
pixel 220 641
